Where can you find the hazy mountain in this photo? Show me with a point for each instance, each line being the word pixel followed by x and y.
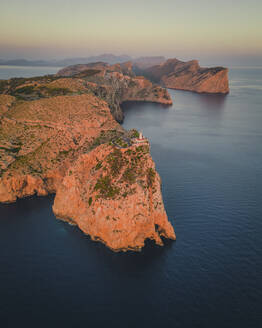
pixel 108 58
pixel 25 62
pixel 149 61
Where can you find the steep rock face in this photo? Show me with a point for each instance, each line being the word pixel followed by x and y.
pixel 39 140
pixel 58 135
pixel 116 84
pixel 118 88
pixel 114 196
pixel 175 74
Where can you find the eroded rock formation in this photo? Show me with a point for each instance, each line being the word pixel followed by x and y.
pixel 114 196
pixel 116 84
pixel 176 74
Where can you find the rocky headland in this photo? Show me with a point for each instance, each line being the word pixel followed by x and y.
pixel 176 74
pixel 59 134
pixel 116 84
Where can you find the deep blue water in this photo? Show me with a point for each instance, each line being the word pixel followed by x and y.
pixel 208 152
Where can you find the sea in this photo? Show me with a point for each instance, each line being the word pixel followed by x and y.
pixel 208 152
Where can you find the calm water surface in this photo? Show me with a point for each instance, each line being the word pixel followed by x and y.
pixel 208 152
pixel 6 71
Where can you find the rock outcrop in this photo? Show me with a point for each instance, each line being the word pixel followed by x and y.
pixel 114 196
pixel 78 68
pixel 41 138
pixel 58 135
pixel 176 74
pixel 116 84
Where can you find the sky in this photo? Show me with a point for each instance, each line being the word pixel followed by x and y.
pixel 212 31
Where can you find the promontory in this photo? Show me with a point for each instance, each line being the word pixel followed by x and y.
pixel 176 74
pixel 60 134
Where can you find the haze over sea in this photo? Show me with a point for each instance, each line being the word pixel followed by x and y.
pixel 207 149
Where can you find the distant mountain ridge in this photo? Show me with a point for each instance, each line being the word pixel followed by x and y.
pixel 142 62
pixel 108 58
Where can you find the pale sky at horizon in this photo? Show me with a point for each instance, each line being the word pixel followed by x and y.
pixel 201 29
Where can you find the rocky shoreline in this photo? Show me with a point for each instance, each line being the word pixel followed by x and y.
pixel 188 76
pixel 60 134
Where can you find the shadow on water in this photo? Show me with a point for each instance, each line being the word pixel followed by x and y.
pixel 213 102
pixel 122 262
pixel 25 207
pixel 134 106
pixel 33 215
pixel 210 103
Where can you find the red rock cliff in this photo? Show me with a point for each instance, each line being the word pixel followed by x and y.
pixel 58 135
pixel 175 74
pixel 114 196
pixel 116 84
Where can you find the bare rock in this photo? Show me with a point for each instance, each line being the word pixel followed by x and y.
pixel 114 196
pixel 175 74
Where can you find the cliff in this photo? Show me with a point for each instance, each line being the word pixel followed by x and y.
pixel 40 139
pixel 114 196
pixel 176 74
pixel 58 135
pixel 116 84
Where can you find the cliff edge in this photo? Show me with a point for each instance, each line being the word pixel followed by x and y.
pixel 59 134
pixel 116 84
pixel 113 195
pixel 176 74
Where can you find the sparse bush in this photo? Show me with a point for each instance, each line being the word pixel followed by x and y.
pixel 106 188
pixel 98 165
pixel 115 160
pixel 150 176
pixel 129 175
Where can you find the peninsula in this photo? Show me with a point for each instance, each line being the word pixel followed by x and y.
pixel 60 134
pixel 176 74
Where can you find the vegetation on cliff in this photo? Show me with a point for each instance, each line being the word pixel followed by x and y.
pixel 50 124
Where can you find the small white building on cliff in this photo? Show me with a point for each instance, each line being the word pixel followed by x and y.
pixel 140 140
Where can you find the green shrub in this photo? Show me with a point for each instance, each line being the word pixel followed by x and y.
pixel 27 90
pixel 115 160
pixel 150 176
pixel 55 91
pixel 128 152
pixel 135 134
pixel 129 175
pixel 3 85
pixel 106 188
pixel 98 165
